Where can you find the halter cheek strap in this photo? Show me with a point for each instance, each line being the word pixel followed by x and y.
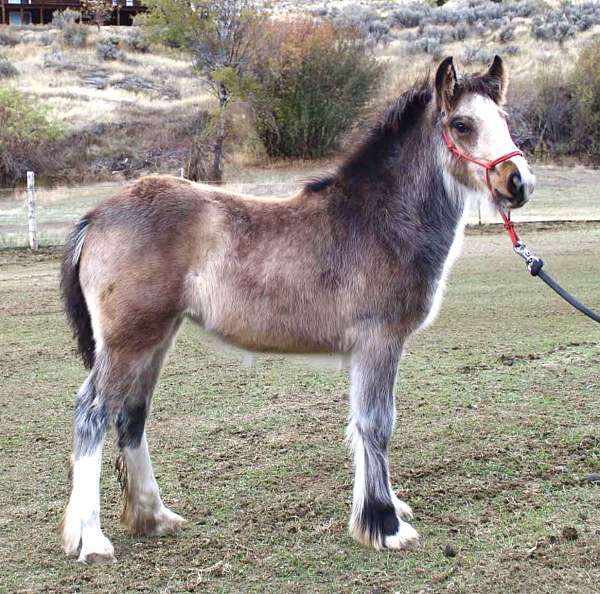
pixel 488 166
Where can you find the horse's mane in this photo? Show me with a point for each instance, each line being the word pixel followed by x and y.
pixel 396 121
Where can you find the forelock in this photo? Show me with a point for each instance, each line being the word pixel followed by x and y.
pixel 478 84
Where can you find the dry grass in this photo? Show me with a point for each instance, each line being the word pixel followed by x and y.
pixel 78 105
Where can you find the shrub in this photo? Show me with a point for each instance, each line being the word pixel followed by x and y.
pixel 45 39
pixel 553 111
pixel 139 84
pixel 586 90
pixel 8 39
pixel 378 32
pixel 73 33
pixel 428 45
pixel 410 16
pixel 478 55
pixel 541 112
pixel 313 84
pixel 137 40
pixel 444 34
pixel 65 18
pixel 564 22
pixel 24 134
pixel 97 78
pixel 108 49
pixel 371 27
pixel 7 69
pixel 506 34
pixel 56 60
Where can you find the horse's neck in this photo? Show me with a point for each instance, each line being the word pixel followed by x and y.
pixel 425 205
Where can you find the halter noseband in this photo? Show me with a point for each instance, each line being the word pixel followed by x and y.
pixel 488 166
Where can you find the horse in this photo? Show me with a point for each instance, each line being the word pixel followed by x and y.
pixel 352 264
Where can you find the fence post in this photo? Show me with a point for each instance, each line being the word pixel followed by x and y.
pixel 33 235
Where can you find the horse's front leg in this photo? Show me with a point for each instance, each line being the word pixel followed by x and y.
pixel 378 516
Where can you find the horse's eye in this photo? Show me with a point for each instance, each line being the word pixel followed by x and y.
pixel 460 127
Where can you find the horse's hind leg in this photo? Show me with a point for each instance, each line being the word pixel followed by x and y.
pixel 378 516
pixel 81 521
pixel 119 388
pixel 143 510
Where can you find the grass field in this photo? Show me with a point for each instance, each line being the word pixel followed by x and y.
pixel 564 193
pixel 498 412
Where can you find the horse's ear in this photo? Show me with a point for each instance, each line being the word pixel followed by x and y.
pixel 497 79
pixel 445 84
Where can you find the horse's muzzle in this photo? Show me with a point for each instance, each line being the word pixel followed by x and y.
pixel 516 189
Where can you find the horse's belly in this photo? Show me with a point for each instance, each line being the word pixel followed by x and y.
pixel 268 332
pixel 263 324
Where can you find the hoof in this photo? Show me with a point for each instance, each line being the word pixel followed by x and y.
pixel 97 558
pixel 168 522
pixel 97 549
pixel 407 538
pixel 159 523
pixel 381 527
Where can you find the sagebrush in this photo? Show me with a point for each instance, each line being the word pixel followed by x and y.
pixel 586 91
pixel 312 86
pixel 24 136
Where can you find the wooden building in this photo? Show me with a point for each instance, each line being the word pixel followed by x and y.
pixel 39 12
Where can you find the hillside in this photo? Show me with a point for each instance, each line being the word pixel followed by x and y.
pixel 128 113
pixel 128 107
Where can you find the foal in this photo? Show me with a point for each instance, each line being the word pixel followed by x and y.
pixel 352 264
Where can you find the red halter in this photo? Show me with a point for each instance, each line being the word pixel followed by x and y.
pixel 488 166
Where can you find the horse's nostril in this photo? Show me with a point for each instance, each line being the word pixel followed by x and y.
pixel 515 185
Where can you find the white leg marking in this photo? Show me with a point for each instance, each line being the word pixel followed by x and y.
pixel 145 513
pixel 358 495
pixel 81 523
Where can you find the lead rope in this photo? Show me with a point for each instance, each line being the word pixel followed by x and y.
pixel 533 263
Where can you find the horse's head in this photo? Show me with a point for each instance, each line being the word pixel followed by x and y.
pixel 475 131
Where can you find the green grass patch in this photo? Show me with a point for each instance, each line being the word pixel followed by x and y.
pixel 498 410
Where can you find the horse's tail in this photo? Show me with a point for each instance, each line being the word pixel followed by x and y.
pixel 73 298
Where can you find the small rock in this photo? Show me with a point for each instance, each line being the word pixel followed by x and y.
pixel 450 551
pixel 569 533
pixel 593 478
pixel 507 360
